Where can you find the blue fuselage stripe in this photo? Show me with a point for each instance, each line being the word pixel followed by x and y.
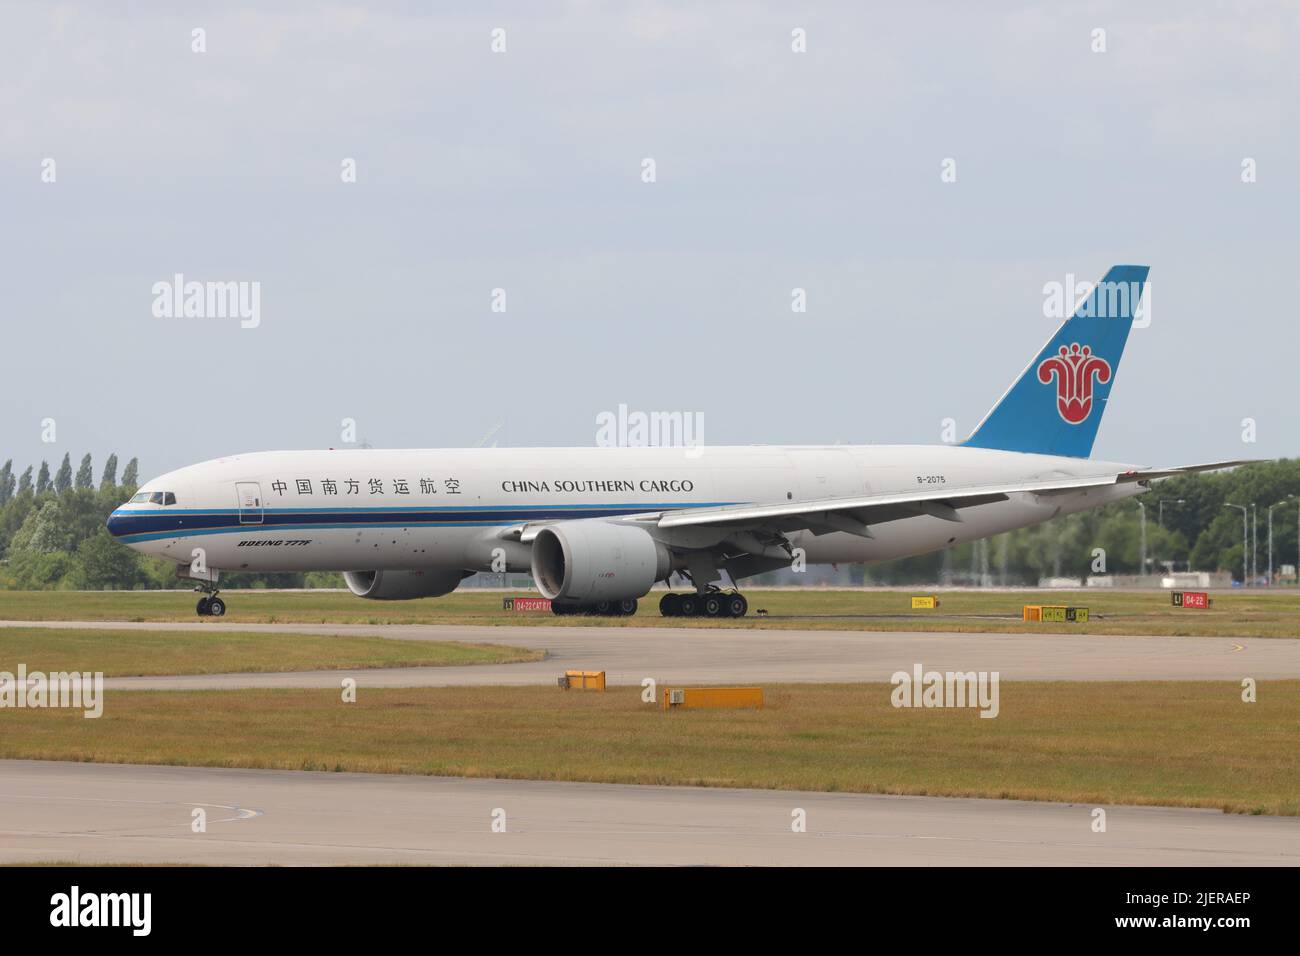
pixel 153 524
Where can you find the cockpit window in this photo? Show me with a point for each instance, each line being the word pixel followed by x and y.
pixel 154 498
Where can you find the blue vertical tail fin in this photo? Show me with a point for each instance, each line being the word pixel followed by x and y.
pixel 1056 404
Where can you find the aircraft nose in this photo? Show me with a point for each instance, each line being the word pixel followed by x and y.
pixel 117 524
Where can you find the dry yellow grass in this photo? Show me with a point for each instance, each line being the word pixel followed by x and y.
pixel 1171 743
pixel 129 653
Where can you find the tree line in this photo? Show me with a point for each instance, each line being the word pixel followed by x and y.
pixel 53 535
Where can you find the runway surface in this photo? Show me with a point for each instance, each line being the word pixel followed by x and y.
pixel 115 813
pixel 704 655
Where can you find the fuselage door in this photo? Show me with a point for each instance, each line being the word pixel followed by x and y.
pixel 249 494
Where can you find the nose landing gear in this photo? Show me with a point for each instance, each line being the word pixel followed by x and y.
pixel 210 605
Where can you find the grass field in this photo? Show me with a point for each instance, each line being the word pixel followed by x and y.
pixel 152 653
pixel 1234 614
pixel 1177 744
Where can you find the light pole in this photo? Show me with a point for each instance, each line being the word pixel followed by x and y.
pixel 1270 535
pixel 1168 501
pixel 1254 542
pixel 1245 543
pixel 1142 567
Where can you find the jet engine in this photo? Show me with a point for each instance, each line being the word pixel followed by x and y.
pixel 596 560
pixel 403 585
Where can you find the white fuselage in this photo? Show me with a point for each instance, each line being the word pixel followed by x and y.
pixel 363 510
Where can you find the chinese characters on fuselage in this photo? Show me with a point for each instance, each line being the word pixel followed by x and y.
pixel 331 487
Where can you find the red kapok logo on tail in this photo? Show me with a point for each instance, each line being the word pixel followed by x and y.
pixel 1074 368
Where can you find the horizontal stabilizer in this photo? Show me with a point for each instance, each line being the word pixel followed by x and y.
pixel 1154 474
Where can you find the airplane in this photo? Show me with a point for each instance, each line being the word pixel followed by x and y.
pixel 597 528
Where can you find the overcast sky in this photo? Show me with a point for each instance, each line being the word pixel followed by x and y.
pixel 523 170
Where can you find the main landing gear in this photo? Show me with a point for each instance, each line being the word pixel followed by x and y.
pixel 708 604
pixel 625 608
pixel 210 605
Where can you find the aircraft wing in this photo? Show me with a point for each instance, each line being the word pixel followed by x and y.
pixel 855 514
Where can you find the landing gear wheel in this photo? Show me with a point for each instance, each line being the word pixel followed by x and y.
pixel 604 608
pixel 712 605
pixel 736 605
pixel 202 608
pixel 689 605
pixel 670 605
pixel 216 607
pixel 560 610
pixel 627 607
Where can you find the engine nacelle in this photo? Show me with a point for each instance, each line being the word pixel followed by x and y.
pixel 595 560
pixel 403 585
